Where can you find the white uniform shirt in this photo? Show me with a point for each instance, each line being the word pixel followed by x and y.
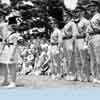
pixel 55 36
pixel 82 25
pixel 70 28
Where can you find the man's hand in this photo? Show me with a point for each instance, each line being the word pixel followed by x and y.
pixel 74 36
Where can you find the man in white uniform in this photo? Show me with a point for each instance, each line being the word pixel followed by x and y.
pixel 70 29
pixel 81 45
pixel 94 42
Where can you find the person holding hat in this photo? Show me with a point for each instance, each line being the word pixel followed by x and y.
pixel 81 46
pixel 93 31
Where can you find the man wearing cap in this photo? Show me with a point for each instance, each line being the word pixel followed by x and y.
pixel 93 31
pixel 81 46
pixel 70 29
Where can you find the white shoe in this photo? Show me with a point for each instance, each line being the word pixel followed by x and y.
pixel 67 78
pixel 58 76
pixel 11 85
pixel 72 78
pixel 37 73
pixel 96 81
pixel 85 80
pixel 79 78
pixel 53 76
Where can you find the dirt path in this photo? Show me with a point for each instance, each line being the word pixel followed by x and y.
pixel 46 82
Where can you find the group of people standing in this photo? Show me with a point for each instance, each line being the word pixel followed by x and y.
pixel 73 52
pixel 80 39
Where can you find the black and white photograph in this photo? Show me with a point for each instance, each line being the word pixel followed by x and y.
pixel 49 43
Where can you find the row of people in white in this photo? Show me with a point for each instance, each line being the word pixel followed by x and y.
pixel 79 49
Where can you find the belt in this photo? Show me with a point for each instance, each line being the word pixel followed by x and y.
pixel 67 37
pixel 54 43
pixel 6 42
pixel 81 36
pixel 92 34
pixel 10 43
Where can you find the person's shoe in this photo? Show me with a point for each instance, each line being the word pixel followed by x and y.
pixel 4 83
pixel 79 78
pixel 37 73
pixel 67 78
pixel 72 78
pixel 96 81
pixel 93 79
pixel 86 80
pixel 53 76
pixel 11 85
pixel 58 77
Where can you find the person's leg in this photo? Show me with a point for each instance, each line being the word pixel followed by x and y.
pixel 92 61
pixel 5 74
pixel 59 67
pixel 78 63
pixel 66 61
pixel 12 70
pixel 84 68
pixel 52 67
pixel 55 66
pixel 64 64
pixel 67 53
pixel 82 59
pixel 97 64
pixel 72 65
